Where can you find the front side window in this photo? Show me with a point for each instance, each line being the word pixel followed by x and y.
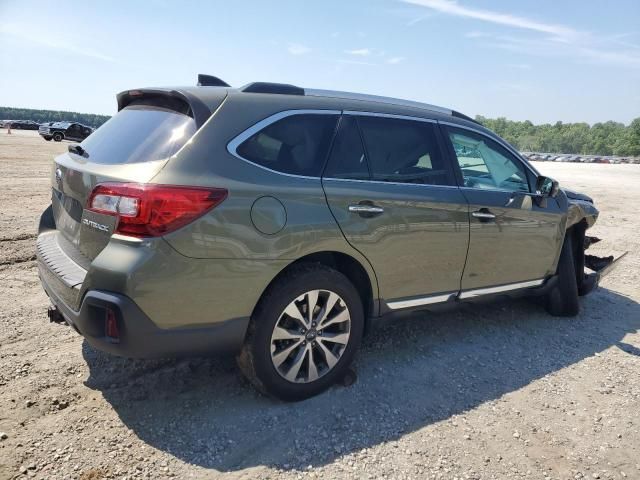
pixel 485 164
pixel 296 144
pixel 404 151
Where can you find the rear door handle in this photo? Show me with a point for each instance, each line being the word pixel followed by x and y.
pixel 366 208
pixel 483 214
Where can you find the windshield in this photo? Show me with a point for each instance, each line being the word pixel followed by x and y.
pixel 139 133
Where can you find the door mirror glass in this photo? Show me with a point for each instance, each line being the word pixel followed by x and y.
pixel 547 186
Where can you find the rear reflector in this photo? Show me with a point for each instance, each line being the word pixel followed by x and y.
pixel 111 325
pixel 148 210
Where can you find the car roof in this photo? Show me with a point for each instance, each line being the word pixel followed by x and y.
pixel 269 98
pixel 211 96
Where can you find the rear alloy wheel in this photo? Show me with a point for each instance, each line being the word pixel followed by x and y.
pixel 304 334
pixel 310 336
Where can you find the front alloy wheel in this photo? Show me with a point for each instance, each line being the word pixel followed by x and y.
pixel 310 336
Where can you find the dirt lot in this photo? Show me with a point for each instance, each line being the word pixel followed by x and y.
pixel 500 390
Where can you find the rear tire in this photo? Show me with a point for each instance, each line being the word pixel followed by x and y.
pixel 562 300
pixel 280 328
pixel 57 137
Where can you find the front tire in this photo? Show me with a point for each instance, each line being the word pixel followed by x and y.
pixel 562 300
pixel 57 137
pixel 304 333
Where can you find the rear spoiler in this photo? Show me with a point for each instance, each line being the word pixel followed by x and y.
pixel 179 101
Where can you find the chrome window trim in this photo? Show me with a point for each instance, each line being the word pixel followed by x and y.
pixel 498 140
pixel 315 92
pixel 478 292
pixel 415 302
pixel 365 113
pixel 233 145
pixel 499 190
pixel 390 183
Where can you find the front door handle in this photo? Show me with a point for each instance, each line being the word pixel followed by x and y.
pixel 483 214
pixel 365 208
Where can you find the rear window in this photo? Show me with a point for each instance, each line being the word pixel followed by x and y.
pixel 139 133
pixel 297 144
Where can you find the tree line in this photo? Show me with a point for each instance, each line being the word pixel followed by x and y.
pixel 42 116
pixel 608 138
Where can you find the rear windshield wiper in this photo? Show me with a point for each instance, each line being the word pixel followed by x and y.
pixel 77 149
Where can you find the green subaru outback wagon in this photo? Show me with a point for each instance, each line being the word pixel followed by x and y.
pixel 279 223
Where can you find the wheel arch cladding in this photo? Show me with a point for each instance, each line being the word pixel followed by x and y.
pixel 345 264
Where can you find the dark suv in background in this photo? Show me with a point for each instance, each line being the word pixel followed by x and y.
pixel 279 224
pixel 59 131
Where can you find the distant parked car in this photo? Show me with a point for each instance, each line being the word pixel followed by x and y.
pixel 23 124
pixel 59 131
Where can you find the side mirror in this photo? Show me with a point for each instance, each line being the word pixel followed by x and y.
pixel 547 186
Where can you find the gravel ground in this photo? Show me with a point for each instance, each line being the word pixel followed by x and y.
pixel 496 390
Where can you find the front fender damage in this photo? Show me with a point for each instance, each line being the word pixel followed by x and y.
pixel 579 208
pixel 590 269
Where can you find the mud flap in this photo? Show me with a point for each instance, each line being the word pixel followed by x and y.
pixel 599 266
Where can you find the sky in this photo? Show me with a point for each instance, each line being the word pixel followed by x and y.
pixel 542 60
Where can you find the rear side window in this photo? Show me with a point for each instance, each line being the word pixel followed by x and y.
pixel 139 133
pixel 404 151
pixel 297 144
pixel 347 159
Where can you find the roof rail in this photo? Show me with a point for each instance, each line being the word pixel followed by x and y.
pixel 375 98
pixel 210 81
pixel 269 87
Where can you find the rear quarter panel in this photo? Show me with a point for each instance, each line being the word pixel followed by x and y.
pixel 228 232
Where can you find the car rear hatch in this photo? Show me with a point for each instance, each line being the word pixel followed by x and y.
pixel 132 147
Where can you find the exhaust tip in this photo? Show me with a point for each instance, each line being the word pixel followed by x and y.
pixel 54 315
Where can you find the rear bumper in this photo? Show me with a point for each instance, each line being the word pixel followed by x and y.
pixel 139 337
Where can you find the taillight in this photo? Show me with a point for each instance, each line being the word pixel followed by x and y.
pixel 148 210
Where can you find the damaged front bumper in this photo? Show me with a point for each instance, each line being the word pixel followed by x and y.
pixel 598 267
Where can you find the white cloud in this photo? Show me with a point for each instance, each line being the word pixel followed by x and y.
pixel 452 7
pixel 419 19
pixel 395 60
pixel 361 52
pixel 24 33
pixel 298 49
pixel 558 39
pixel 356 62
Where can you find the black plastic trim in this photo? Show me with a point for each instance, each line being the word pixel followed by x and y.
pixel 139 336
pixel 211 81
pixel 277 88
